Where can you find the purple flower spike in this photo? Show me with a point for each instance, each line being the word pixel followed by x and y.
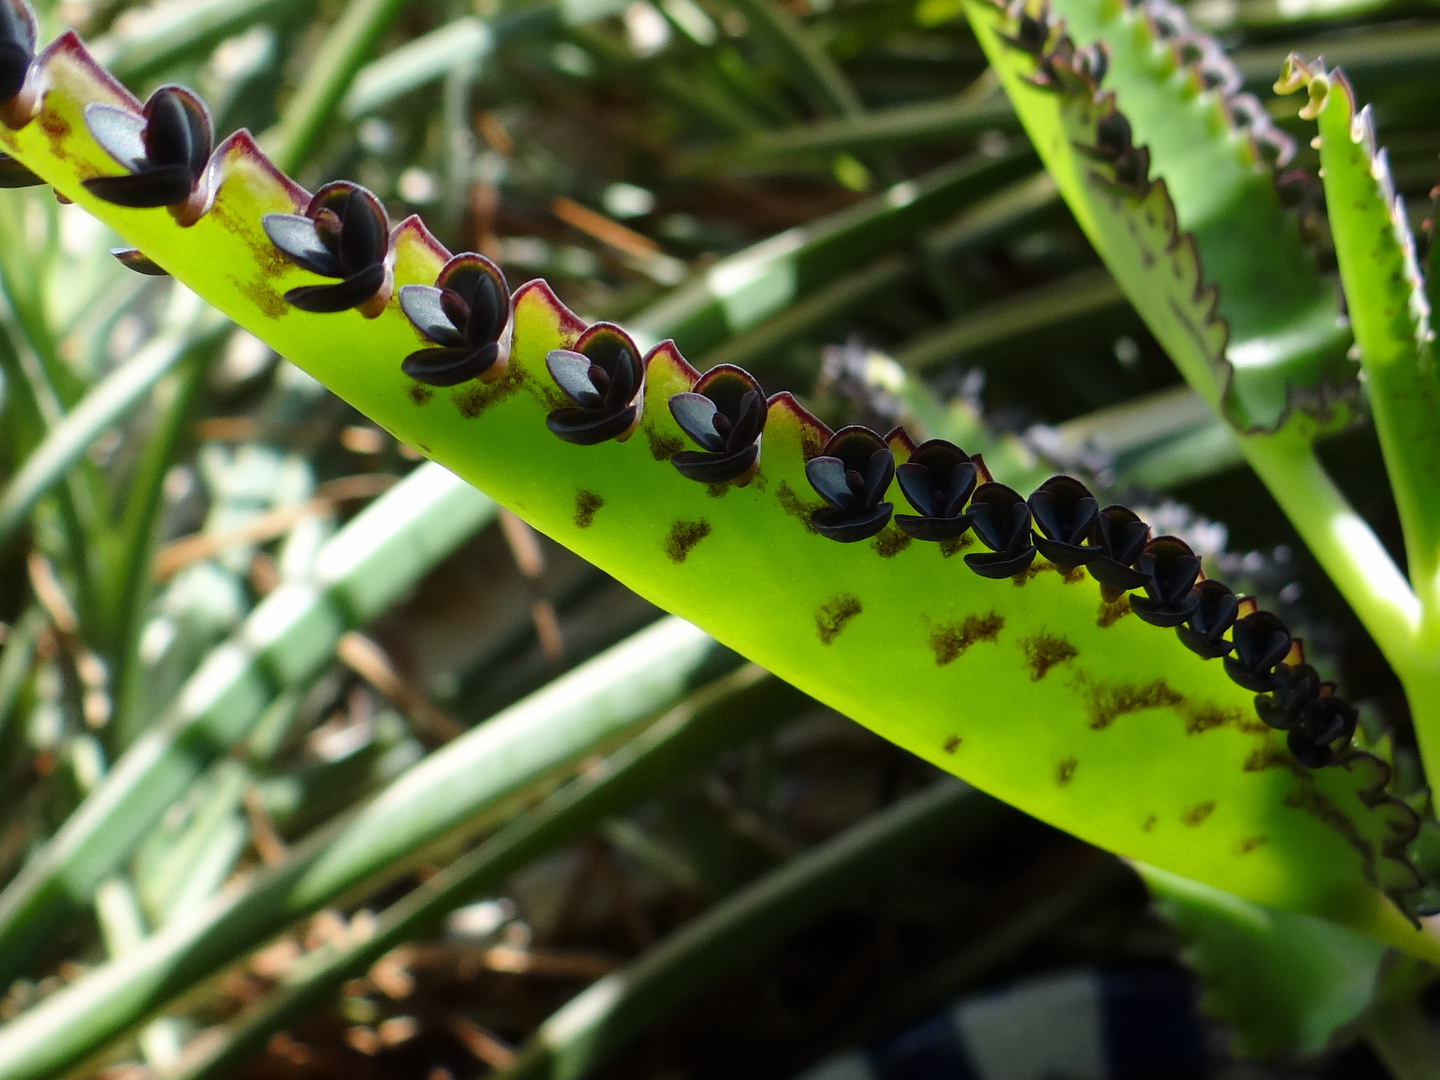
pixel 465 313
pixel 605 378
pixel 164 151
pixel 852 474
pixel 724 415
pixel 345 234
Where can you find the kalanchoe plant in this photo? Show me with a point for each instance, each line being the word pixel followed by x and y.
pixel 938 480
pixel 1001 519
pixel 724 415
pixel 1065 514
pixel 605 378
pixel 1071 691
pixel 164 150
pixel 465 313
pixel 852 474
pixel 344 233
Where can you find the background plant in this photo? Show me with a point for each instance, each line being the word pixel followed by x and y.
pixel 872 249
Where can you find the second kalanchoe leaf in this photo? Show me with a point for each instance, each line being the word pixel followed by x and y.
pixel 164 150
pixel 852 474
pixel 465 313
pixel 344 233
pixel 604 376
pixel 725 414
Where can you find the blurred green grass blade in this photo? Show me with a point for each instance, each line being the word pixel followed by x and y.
pixel 741 291
pixel 802 57
pixel 449 795
pixel 731 709
pixel 1076 296
pixel 351 41
pixel 424 60
pixel 605 1017
pixel 184 31
pixel 104 406
pixel 285 641
pixel 899 126
pixel 1283 982
pixel 16 654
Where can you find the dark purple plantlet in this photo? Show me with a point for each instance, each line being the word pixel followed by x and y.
pixel 605 378
pixel 164 151
pixel 724 415
pixel 1031 33
pixel 852 474
pixel 1119 538
pixel 1296 686
pixel 15 175
pixel 1215 610
pixel 1327 720
pixel 1065 513
pixel 465 313
pixel 17 55
pixel 1001 519
pixel 1170 570
pixel 1261 641
pixel 938 481
pixel 136 260
pixel 344 234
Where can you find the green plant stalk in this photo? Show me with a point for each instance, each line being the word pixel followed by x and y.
pixel 285 642
pixel 604 1017
pixel 453 793
pixel 127 586
pixel 802 56
pixel 16 653
pixel 105 405
pixel 735 707
pixel 351 41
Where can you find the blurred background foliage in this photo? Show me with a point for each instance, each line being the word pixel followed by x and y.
pixel 335 769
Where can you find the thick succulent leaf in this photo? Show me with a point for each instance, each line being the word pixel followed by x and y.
pixel 1208 257
pixel 1037 691
pixel 1281 982
pixel 1387 304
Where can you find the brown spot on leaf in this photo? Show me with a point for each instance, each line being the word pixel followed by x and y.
pixel 1065 771
pixel 956 545
pixel 717 491
pixel 586 504
pixel 271 304
pixel 1248 844
pixel 952 744
pixel 951 639
pixel 1112 612
pixel 1074 577
pixel 1269 756
pixel 1198 813
pixel 890 542
pixel 834 614
pixel 1148 825
pixel 1209 716
pixel 684 535
pixel 662 446
pixel 795 506
pixel 473 398
pixel 420 393
pixel 1110 702
pixel 1044 651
